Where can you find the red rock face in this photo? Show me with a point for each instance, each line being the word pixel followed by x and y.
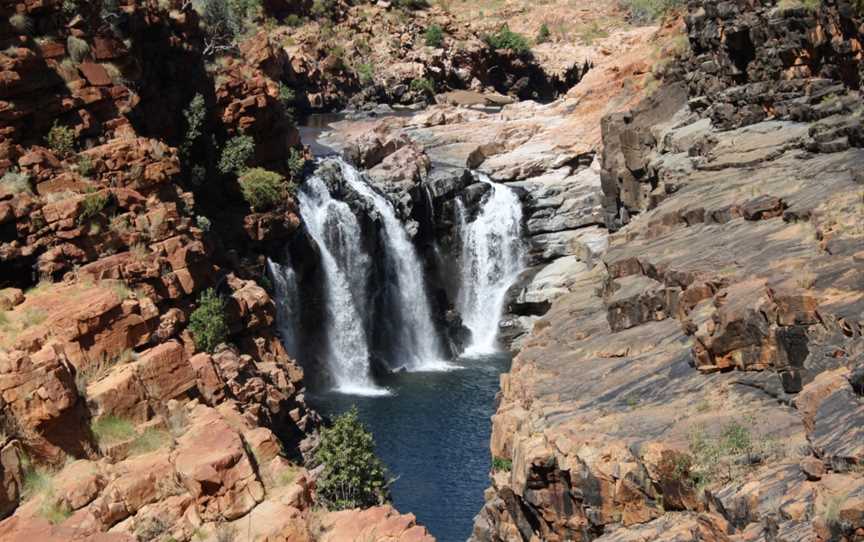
pixel 102 389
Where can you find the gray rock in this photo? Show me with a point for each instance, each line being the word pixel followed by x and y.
pixel 585 243
pixel 558 201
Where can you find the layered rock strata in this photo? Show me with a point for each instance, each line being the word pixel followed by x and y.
pixel 701 381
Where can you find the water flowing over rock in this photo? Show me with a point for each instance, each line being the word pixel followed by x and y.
pixel 287 298
pixel 416 342
pixel 335 230
pixel 492 258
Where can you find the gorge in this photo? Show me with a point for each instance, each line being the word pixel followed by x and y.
pixel 570 271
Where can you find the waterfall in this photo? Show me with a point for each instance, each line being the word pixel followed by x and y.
pixel 287 300
pixel 491 262
pixel 345 266
pixel 417 340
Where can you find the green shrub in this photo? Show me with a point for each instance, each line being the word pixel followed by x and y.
pixel 647 11
pixel 61 139
pixel 543 34
pixel 151 528
pixel 150 440
pixel 92 206
pixel 78 48
pixel 85 165
pixel 15 182
pixel 286 94
pixel 207 322
pixel 507 39
pixel 70 7
pixel 110 430
pixel 236 155
pixel 293 20
pixel 296 162
pixel 322 8
pixel 501 464
pixel 353 476
pixel 366 73
pixel 203 223
pixel 21 23
pixel 195 115
pixel 225 20
pixel 423 85
pixel 434 36
pixel 726 456
pixel 37 481
pixel 53 510
pixel 591 32
pixel 262 189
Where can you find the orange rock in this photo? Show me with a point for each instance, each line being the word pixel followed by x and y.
pixel 95 74
pixel 377 524
pixel 212 463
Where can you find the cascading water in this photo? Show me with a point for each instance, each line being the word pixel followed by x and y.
pixel 287 302
pixel 337 233
pixel 417 341
pixel 491 262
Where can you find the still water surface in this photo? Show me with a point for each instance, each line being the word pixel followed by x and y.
pixel 433 432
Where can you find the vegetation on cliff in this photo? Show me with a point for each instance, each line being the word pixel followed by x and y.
pixel 353 476
pixel 207 322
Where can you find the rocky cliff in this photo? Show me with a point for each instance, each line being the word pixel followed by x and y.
pixel 703 380
pixel 114 423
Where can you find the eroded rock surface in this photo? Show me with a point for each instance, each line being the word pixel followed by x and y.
pixel 697 382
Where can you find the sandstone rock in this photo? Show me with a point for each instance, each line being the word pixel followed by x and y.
pixel 812 468
pixel 12 475
pixel 10 297
pixel 39 391
pixel 214 467
pixel 95 74
pixel 378 523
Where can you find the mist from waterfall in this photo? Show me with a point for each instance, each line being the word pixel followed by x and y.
pixel 492 258
pixel 345 265
pixel 416 343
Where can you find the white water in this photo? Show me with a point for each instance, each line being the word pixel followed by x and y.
pixel 491 262
pixel 417 341
pixel 337 233
pixel 287 300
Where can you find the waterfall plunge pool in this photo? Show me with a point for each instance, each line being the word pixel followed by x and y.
pixel 433 433
pixel 431 427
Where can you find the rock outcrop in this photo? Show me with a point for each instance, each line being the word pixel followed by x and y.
pixel 697 383
pixel 114 423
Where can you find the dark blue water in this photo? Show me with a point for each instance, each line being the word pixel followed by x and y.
pixel 433 433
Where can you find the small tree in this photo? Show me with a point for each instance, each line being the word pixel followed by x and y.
pixel 353 475
pixel 543 34
pixel 207 323
pixel 507 39
pixel 78 48
pixel 236 154
pixel 366 73
pixel 92 206
pixel 195 114
pixel 61 139
pixel 434 36
pixel 422 85
pixel 262 189
pixel 296 162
